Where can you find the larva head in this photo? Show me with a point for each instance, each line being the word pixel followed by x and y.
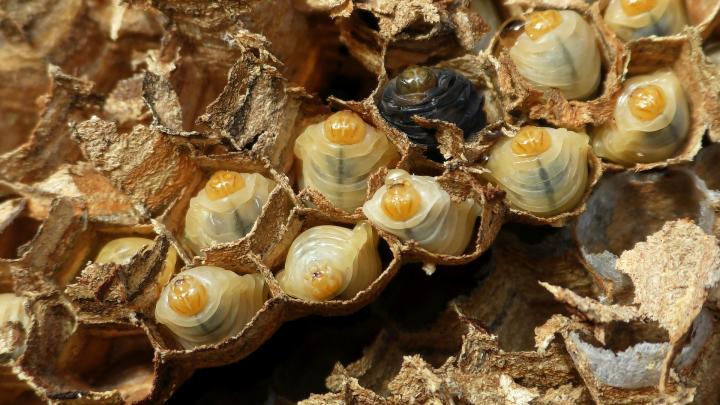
pixel 344 128
pixel 401 200
pixel 187 295
pixel 647 102
pixel 539 23
pixel 530 141
pixel 323 281
pixel 637 7
pixel 223 183
pixel 416 79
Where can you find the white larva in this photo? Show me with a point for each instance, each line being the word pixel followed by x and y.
pixel 638 19
pixel 339 154
pixel 651 121
pixel 417 208
pixel 558 49
pixel 544 171
pixel 208 304
pixel 226 209
pixel 331 262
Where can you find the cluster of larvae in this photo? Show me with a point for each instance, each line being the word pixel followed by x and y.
pixel 545 170
pixel 207 304
pixel 629 19
pixel 408 206
pixel 201 305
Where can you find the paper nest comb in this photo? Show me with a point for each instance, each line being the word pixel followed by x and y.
pixel 114 114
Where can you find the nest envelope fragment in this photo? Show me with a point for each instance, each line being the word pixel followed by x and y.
pixel 116 114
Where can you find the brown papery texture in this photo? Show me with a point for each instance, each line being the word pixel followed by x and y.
pixel 114 114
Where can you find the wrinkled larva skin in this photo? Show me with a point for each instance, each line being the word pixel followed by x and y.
pixel 211 221
pixel 340 171
pixel 545 179
pixel 433 220
pixel 227 303
pixel 661 18
pixel 564 56
pixel 331 262
pixel 630 139
pixel 453 99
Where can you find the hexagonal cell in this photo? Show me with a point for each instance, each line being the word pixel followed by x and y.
pixel 317 246
pixel 627 207
pixel 331 70
pixel 108 357
pixel 120 244
pixel 227 328
pixel 117 272
pixel 237 206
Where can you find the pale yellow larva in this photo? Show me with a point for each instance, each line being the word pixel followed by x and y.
pixel 558 49
pixel 544 171
pixel 225 209
pixel 632 19
pixel 339 154
pixel 331 262
pixel 417 208
pixel 207 304
pixel 651 121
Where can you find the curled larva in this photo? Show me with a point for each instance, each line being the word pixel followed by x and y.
pixel 122 250
pixel 225 209
pixel 441 94
pixel 632 19
pixel 327 262
pixel 651 121
pixel 558 49
pixel 339 154
pixel 544 171
pixel 417 208
pixel 207 304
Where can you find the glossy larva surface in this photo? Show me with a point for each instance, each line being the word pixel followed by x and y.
pixel 650 123
pixel 225 209
pixel 632 19
pixel 544 171
pixel 331 262
pixel 208 304
pixel 339 154
pixel 122 250
pixel 558 49
pixel 417 208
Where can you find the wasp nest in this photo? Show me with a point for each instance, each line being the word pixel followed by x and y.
pixel 180 179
